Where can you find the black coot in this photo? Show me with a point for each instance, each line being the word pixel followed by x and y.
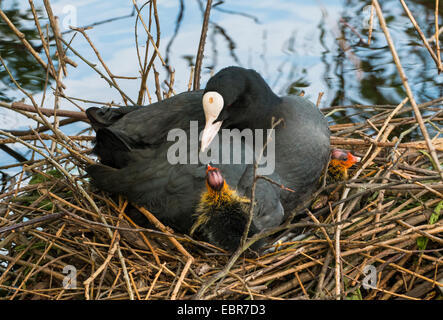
pixel 132 144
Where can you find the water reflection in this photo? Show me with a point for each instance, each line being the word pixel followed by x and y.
pixel 22 64
pixel 380 83
pixel 376 80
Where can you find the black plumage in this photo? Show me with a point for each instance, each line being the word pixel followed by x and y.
pixel 132 145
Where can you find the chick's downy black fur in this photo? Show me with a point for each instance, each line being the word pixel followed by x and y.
pixel 222 215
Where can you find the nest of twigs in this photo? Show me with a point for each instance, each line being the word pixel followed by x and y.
pixel 380 237
pixel 386 216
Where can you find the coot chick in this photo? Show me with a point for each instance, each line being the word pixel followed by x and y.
pixel 222 214
pixel 341 161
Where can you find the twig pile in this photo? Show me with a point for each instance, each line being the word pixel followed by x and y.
pixel 380 237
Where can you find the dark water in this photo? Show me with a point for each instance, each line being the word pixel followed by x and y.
pixel 310 46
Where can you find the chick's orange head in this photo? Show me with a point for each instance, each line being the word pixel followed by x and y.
pixel 343 158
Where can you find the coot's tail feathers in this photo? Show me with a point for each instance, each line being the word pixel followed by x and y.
pixel 105 116
pixel 126 181
pixel 112 147
pixel 96 120
pixel 105 177
pixel 112 139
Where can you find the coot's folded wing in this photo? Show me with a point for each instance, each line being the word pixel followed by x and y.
pixel 268 210
pixel 122 130
pixel 301 150
pixel 169 192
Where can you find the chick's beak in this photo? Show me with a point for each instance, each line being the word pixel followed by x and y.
pixel 353 159
pixel 209 132
pixel 214 178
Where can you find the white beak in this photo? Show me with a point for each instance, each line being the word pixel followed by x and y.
pixel 212 106
pixel 209 132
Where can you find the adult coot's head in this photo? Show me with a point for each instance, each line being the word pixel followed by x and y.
pixel 238 98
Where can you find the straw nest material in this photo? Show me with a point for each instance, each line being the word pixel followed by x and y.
pixel 379 237
pixel 388 219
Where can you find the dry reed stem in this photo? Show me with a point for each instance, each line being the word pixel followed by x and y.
pixel 408 89
pixel 201 45
pixel 144 70
pixel 154 45
pixel 180 248
pixel 110 74
pixel 422 36
pixel 371 24
pixel 437 41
